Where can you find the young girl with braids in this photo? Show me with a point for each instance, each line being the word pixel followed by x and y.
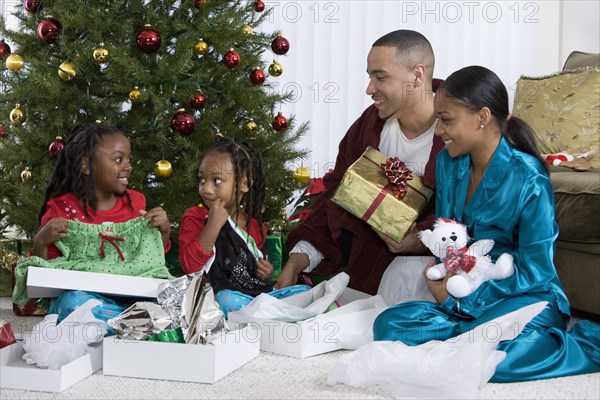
pixel 219 238
pixel 89 186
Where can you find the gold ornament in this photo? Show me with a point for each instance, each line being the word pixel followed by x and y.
pixel 275 69
pixel 101 54
pixel 201 47
pixel 250 126
pixel 17 116
pixel 135 95
pixel 26 174
pixel 163 169
pixel 247 30
pixel 14 62
pixel 302 175
pixel 66 71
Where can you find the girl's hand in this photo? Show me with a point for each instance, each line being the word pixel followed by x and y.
pixel 437 288
pixel 264 269
pixel 158 218
pixel 217 214
pixel 56 228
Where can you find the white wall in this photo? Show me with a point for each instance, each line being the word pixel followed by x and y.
pixel 330 41
pixel 6 9
pixel 580 27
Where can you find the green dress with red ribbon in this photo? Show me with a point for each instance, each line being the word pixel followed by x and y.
pixel 126 248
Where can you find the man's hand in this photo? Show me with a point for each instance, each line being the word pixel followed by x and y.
pixel 411 244
pixel 291 270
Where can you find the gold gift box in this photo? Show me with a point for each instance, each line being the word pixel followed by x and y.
pixel 364 181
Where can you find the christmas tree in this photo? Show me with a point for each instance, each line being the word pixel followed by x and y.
pixel 171 73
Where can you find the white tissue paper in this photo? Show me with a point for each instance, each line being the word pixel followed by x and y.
pixel 314 302
pixel 52 346
pixel 455 368
pixel 354 336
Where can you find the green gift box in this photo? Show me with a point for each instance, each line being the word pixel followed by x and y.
pixel 275 248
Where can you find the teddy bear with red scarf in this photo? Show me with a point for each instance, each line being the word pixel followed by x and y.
pixel 468 267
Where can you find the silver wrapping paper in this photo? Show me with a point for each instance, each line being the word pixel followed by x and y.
pixel 170 297
pixel 201 315
pixel 141 320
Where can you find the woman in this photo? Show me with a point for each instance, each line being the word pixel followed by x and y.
pixel 492 178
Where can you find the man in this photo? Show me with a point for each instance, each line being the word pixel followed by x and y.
pixel 400 123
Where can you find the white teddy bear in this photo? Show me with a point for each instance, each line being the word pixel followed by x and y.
pixel 469 267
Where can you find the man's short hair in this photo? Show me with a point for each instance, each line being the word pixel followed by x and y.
pixel 411 47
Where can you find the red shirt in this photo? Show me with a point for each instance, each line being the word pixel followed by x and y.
pixel 191 254
pixel 70 207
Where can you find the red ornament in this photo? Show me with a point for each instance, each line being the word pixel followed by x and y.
pixel 259 6
pixel 198 101
pixel 32 5
pixel 257 76
pixel 56 146
pixel 183 123
pixel 148 40
pixel 48 30
pixel 280 123
pixel 200 3
pixel 231 59
pixel 3 134
pixel 4 50
pixel 280 45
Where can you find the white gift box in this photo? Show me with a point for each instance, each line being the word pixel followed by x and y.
pixel 338 329
pixel 48 282
pixel 182 362
pixel 16 374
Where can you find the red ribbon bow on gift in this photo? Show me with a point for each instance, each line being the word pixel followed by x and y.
pixel 458 260
pixel 398 174
pixel 111 240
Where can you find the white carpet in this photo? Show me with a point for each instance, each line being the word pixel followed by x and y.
pixel 272 376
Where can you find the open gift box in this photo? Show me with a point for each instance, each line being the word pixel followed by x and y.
pixel 48 282
pixel 331 331
pixel 16 374
pixel 182 362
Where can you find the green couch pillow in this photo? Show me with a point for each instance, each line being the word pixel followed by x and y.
pixel 563 109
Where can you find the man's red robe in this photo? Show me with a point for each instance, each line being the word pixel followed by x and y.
pixel 369 255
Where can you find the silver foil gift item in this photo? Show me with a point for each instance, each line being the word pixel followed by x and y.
pixel 201 312
pixel 170 297
pixel 141 320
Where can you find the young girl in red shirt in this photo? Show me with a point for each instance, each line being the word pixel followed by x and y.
pixel 89 185
pixel 219 238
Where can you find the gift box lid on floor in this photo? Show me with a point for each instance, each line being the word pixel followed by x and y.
pixel 16 374
pixel 181 362
pixel 47 282
pixel 324 333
